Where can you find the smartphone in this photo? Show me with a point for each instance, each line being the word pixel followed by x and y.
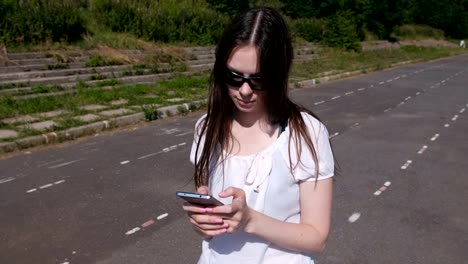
pixel 199 199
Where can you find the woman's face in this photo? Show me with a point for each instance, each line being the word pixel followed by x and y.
pixel 243 62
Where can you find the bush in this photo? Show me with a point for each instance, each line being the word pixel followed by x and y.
pixel 310 29
pixel 41 20
pixel 166 20
pixel 416 32
pixel 341 31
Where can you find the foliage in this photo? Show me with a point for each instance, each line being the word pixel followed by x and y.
pixel 229 7
pixel 341 31
pixel 415 32
pixel 310 29
pixel 166 20
pixel 40 21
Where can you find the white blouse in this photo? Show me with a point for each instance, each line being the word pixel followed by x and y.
pixel 269 188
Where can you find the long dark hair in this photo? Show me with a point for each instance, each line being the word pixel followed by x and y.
pixel 264 28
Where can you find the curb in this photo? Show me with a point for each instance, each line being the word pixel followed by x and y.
pixel 76 132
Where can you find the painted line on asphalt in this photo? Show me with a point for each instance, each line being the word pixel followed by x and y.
pixel 183 134
pixel 318 103
pixel 389 80
pixel 164 150
pixel 447 125
pixel 455 117
pixel 354 217
pixel 124 162
pixel 462 110
pixel 407 98
pixel 354 125
pixel 423 148
pixel 64 164
pixel 434 138
pixel 334 135
pixel 336 97
pixel 45 186
pixel 418 93
pixel 145 224
pixel 348 93
pixel 361 89
pixel 5 180
pixel 388 109
pixel 380 83
pixel 382 188
pixel 406 165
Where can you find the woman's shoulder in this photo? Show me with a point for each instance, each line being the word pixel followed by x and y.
pixel 312 123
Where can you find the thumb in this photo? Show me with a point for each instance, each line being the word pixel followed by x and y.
pixel 203 190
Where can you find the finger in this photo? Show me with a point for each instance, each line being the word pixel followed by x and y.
pixel 206 219
pixel 232 191
pixel 207 227
pixel 223 210
pixel 194 208
pixel 203 189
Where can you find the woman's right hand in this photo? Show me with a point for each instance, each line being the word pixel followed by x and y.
pixel 203 223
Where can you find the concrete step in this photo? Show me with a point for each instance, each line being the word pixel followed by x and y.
pixel 44 61
pixel 64 72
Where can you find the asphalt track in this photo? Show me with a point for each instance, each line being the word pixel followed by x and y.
pixel 400 137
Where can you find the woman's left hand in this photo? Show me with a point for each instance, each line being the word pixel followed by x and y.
pixel 237 214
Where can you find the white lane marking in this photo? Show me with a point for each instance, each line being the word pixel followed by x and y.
pixel 132 231
pixel 46 186
pixel 162 216
pixel 348 93
pixel 124 162
pixel 406 165
pixel 147 223
pixel 431 87
pixel 446 125
pixel 386 184
pixel 354 217
pixel 455 117
pixel 400 104
pixel 48 163
pixel 380 83
pixel 371 85
pixel 173 147
pixel 66 262
pixel 396 78
pixel 403 76
pixel 407 98
pixel 462 110
pixel 443 81
pixel 435 137
pixel 150 155
pixel 59 182
pixel 421 151
pixel 181 144
pixel 64 164
pixel 9 179
pixel 183 134
pixel 418 93
pixel 377 193
pixel 334 135
pixel 32 190
pixel 171 131
pixel 166 150
pixel 354 125
pixel 388 109
pixel 361 89
pixel 321 102
pixel 336 97
pixel 389 80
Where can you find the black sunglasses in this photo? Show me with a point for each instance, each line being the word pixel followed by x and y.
pixel 236 80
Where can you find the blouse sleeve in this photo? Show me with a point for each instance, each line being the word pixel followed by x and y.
pixel 305 169
pixel 196 138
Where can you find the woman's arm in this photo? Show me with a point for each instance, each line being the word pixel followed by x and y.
pixel 308 236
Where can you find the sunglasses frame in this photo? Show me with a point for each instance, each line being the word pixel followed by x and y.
pixel 237 84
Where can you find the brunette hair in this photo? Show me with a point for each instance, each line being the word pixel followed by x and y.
pixel 264 28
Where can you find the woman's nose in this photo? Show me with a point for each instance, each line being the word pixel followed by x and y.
pixel 245 89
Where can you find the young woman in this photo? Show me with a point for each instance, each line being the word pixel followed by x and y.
pixel 266 158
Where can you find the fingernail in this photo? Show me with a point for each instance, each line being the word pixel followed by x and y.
pixel 226 225
pixel 208 209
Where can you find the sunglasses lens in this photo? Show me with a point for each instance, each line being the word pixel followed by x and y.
pixel 236 80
